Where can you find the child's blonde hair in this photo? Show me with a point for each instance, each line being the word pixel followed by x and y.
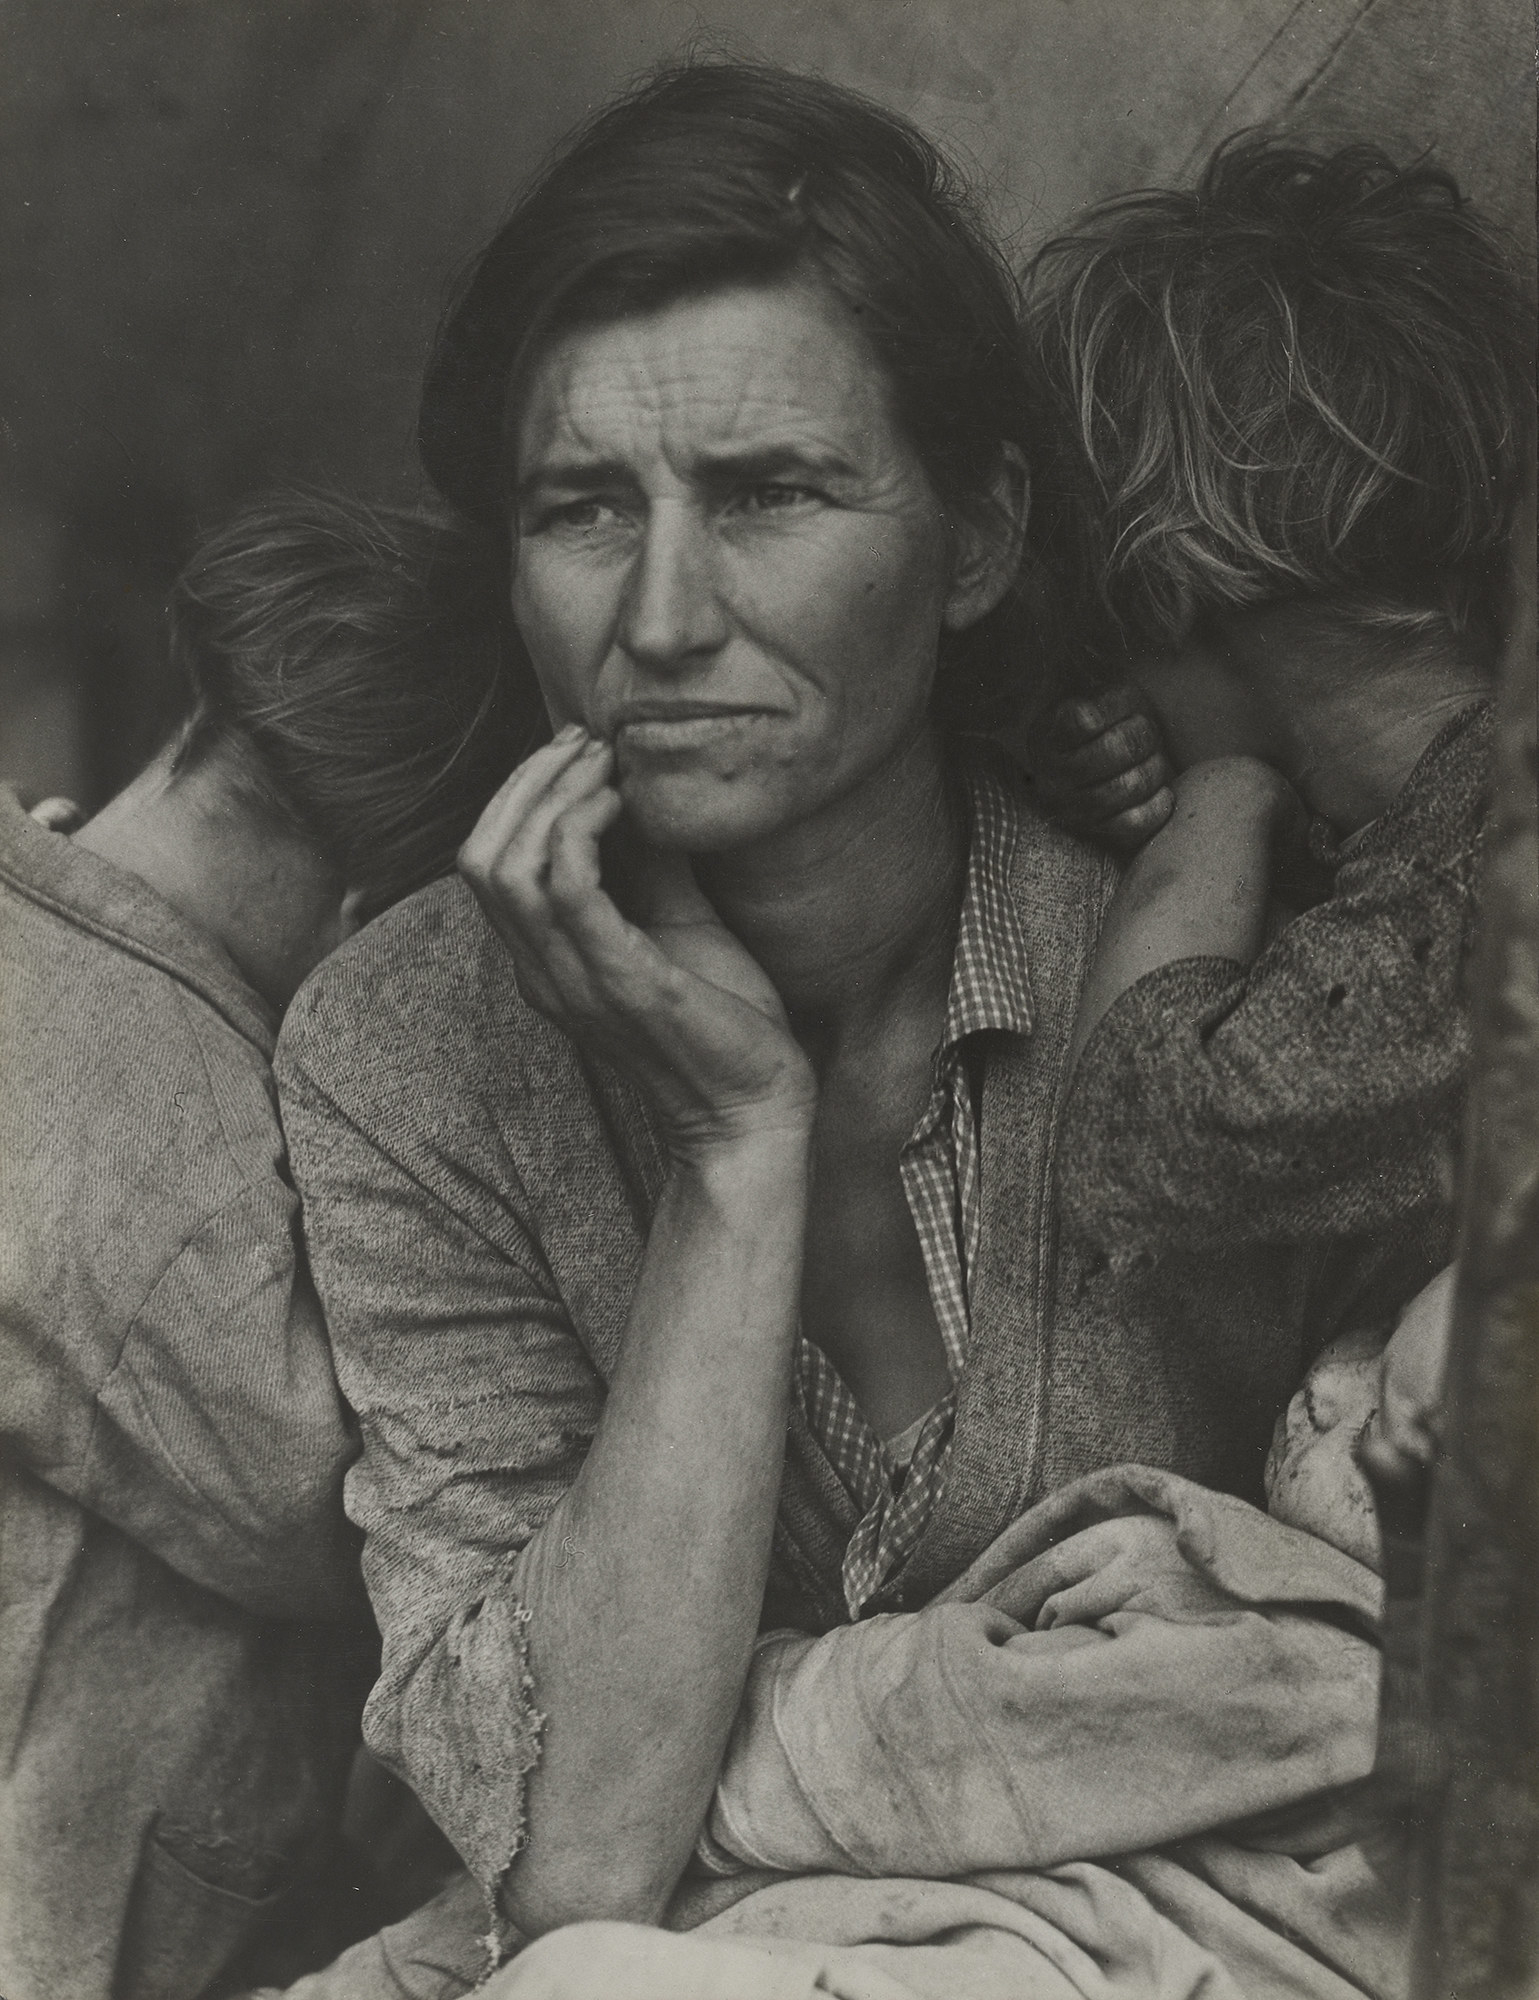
pixel 1308 376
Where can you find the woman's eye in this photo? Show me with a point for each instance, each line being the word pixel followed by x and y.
pixel 578 516
pixel 774 497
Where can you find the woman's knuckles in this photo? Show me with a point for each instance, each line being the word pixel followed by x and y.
pixel 519 881
pixel 476 859
pixel 571 887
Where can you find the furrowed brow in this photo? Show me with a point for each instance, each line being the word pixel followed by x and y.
pixel 776 461
pixel 729 465
pixel 576 475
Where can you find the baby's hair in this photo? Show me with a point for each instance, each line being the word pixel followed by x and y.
pixel 348 662
pixel 1306 377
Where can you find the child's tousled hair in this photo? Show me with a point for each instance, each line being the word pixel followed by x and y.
pixel 349 661
pixel 1306 377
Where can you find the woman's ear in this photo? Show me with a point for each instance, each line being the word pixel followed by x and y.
pixel 989 539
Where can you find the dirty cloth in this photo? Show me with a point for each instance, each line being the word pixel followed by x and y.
pixel 991 1730
pixel 184 1645
pixel 981 1740
pixel 477 1200
pixel 962 1787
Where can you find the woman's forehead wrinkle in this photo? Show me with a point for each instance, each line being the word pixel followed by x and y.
pixel 706 382
pixel 583 404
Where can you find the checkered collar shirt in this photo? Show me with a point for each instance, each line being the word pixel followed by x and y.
pixel 939 1164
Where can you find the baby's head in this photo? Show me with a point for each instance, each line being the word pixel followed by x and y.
pixel 1359 1391
pixel 1302 380
pixel 1313 1480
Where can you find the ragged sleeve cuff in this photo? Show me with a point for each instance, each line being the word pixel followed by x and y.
pixel 467 1731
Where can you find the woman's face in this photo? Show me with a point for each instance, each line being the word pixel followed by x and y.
pixel 729 561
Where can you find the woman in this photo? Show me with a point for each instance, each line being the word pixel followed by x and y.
pixel 184 1641
pixel 680 1198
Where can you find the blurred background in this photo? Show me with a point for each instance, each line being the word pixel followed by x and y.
pixel 229 227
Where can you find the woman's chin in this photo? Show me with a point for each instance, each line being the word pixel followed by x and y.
pixel 702 812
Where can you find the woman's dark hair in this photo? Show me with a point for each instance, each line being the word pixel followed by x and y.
pixel 1307 376
pixel 350 661
pixel 720 173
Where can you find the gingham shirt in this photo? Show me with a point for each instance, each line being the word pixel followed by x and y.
pixel 990 990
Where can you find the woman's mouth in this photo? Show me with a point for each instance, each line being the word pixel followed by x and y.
pixel 678 730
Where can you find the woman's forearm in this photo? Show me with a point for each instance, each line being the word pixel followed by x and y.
pixel 644 1588
pixel 1197 890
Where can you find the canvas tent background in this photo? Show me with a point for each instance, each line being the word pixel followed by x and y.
pixel 1459 1732
pixel 229 226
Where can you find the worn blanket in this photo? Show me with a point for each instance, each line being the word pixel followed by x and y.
pixel 1119 1760
pixel 1137 1660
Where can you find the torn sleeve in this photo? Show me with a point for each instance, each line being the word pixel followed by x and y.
pixel 476 1404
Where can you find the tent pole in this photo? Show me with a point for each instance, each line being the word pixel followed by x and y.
pixel 1475 1875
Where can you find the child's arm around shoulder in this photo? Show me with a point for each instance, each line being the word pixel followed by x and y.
pixel 1199 888
pixel 1234 1089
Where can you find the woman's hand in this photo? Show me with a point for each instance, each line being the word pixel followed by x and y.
pixel 672 1000
pixel 1103 772
pixel 1130 1563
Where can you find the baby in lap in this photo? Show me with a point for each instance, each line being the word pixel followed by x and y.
pixel 1050 1710
pixel 961 1738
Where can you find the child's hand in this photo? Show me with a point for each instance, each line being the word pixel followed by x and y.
pixel 1103 772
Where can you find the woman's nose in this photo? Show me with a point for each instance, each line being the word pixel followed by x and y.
pixel 672 612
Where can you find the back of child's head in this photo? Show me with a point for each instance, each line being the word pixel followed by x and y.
pixel 347 663
pixel 1305 378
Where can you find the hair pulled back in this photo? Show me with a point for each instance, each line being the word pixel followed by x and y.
pixel 718 173
pixel 350 662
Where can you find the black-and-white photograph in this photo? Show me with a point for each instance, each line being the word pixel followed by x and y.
pixel 769 1000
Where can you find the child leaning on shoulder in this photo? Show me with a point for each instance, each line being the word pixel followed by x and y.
pixel 181 1610
pixel 1289 411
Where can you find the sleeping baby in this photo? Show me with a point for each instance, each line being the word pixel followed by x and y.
pixel 1029 1788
